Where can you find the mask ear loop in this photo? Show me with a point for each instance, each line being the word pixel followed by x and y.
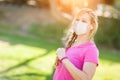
pixel 91 33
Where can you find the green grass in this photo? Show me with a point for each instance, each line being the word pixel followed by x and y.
pixel 109 66
pixel 26 58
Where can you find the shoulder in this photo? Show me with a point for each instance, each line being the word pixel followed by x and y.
pixel 92 50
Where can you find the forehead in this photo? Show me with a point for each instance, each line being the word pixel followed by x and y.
pixel 85 16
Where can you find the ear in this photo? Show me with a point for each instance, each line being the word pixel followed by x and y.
pixel 91 27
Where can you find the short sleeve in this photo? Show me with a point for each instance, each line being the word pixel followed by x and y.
pixel 92 55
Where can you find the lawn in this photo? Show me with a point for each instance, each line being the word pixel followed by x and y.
pixel 24 58
pixel 28 58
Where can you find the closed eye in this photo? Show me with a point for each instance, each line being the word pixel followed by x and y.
pixel 84 21
pixel 77 19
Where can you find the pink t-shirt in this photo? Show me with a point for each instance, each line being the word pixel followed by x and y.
pixel 87 52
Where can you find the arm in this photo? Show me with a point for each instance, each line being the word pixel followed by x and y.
pixel 85 74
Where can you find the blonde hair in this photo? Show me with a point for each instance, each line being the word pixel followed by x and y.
pixel 71 36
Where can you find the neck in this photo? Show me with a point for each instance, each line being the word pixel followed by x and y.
pixel 82 39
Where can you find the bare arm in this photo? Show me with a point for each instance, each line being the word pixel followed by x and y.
pixel 87 73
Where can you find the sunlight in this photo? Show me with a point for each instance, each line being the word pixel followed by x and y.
pixel 16 50
pixel 72 6
pixel 4 44
pixel 70 3
pixel 85 2
pixel 31 2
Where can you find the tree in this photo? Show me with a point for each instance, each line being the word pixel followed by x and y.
pixel 64 10
pixel 109 2
pixel 19 2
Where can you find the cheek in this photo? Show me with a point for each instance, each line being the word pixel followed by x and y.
pixel 75 28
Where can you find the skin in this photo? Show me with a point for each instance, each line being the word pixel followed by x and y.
pixel 89 68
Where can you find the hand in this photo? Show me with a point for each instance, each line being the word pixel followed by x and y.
pixel 60 53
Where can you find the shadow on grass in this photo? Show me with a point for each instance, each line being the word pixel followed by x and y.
pixel 22 63
pixel 41 42
pixel 32 76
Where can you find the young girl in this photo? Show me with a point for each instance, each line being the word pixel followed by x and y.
pixel 79 59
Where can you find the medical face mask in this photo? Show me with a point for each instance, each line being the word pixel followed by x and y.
pixel 80 27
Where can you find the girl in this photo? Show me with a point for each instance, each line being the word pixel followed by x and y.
pixel 79 59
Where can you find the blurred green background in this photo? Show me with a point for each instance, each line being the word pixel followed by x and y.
pixel 31 31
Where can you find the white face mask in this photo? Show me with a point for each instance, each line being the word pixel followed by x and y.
pixel 80 27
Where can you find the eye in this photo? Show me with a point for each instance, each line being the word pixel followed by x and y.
pixel 77 19
pixel 84 21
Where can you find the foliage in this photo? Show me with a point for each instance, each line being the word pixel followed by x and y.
pixel 108 33
pixel 52 31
